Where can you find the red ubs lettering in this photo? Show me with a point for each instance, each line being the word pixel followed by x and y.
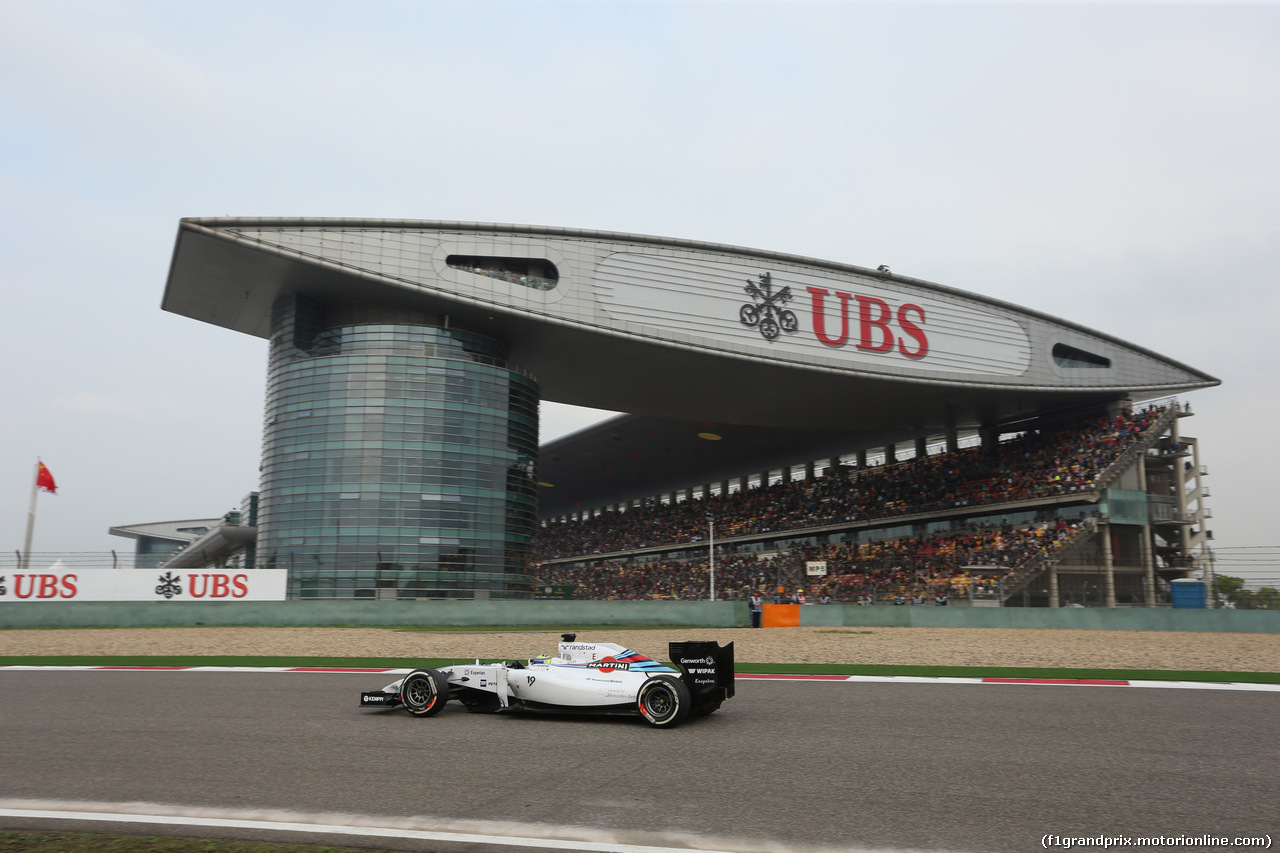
pixel 46 586
pixel 218 586
pixel 876 321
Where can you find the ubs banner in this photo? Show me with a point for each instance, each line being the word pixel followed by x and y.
pixel 144 585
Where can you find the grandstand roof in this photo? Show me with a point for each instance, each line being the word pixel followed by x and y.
pixel 187 530
pixel 778 352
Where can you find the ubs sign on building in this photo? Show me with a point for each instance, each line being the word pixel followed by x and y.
pixel 408 359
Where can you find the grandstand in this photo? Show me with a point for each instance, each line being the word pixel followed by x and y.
pixel 849 429
pixel 1091 510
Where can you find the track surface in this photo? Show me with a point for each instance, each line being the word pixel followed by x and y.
pixel 818 764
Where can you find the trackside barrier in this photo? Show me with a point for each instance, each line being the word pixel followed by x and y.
pixel 780 616
pixel 564 614
pixel 1096 618
pixel 74 614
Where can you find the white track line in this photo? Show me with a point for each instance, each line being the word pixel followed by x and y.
pixel 333 829
pixel 486 833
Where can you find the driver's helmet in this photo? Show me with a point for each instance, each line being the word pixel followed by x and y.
pixel 540 659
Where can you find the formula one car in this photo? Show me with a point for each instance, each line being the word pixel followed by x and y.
pixel 584 678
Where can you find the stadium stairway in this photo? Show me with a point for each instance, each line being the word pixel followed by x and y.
pixel 1079 542
pixel 1075 548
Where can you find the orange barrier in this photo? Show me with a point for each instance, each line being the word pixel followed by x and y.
pixel 780 616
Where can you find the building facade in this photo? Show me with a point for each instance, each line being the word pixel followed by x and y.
pixel 398 458
pixel 408 359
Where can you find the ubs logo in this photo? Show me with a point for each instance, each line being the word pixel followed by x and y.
pixel 766 311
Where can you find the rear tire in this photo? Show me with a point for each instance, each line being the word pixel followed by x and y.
pixel 424 692
pixel 664 701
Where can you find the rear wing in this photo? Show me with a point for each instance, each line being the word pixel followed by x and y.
pixel 706 668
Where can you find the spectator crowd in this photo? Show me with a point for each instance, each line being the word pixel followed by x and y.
pixel 1034 465
pixel 906 569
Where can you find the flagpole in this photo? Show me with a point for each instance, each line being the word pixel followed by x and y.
pixel 31 518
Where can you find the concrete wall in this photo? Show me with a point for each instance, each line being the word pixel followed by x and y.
pixel 567 615
pixel 559 614
pixel 1117 618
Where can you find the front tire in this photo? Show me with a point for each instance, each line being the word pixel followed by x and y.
pixel 424 692
pixel 664 701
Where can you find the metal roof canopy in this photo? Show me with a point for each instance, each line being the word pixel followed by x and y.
pixel 767 414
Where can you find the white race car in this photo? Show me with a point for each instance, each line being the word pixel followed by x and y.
pixel 584 678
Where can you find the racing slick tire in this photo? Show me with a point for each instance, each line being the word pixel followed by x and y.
pixel 424 692
pixel 664 701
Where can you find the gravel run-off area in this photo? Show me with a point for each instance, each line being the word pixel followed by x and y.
pixel 1100 649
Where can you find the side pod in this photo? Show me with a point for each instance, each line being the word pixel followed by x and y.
pixel 706 668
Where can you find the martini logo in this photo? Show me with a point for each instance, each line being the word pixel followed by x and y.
pixel 766 311
pixel 608 664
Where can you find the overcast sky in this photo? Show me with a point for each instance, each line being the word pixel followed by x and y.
pixel 1112 164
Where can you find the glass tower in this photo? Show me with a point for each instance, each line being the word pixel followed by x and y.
pixel 399 456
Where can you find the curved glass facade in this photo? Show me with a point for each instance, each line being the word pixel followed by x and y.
pixel 398 459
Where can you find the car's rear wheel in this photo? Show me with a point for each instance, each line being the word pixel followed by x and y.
pixel 664 701
pixel 424 692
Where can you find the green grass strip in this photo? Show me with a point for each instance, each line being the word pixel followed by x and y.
pixel 750 668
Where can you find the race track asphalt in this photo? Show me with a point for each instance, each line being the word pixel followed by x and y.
pixel 808 765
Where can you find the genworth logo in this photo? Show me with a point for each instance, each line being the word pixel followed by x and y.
pixel 766 311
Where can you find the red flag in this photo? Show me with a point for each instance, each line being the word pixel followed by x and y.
pixel 44 480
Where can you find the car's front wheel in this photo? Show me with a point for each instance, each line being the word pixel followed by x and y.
pixel 424 692
pixel 664 701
